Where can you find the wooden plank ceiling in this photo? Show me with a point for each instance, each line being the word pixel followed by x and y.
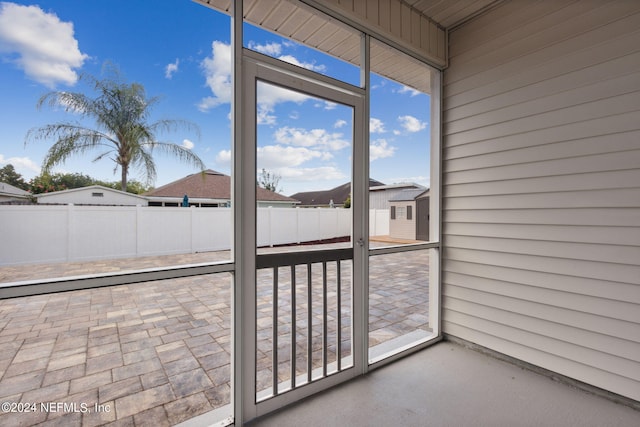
pixel 305 25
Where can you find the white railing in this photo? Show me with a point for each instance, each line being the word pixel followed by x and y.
pixel 67 233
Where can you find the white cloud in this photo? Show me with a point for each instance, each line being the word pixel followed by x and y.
pixel 316 138
pixel 264 116
pixel 217 71
pixel 308 65
pixel 188 144
pixel 271 49
pixel 411 91
pixel 322 173
pixel 376 126
pixel 339 124
pixel 270 95
pixel 380 149
pixel 40 44
pixel 274 50
pixel 171 69
pixel 22 165
pixel 223 158
pixel 277 156
pixel 328 105
pixel 411 124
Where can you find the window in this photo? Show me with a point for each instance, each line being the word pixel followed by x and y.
pixel 403 164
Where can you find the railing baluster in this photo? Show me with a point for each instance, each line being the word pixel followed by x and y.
pixel 339 318
pixel 276 261
pixel 275 331
pixel 324 319
pixel 309 326
pixel 293 327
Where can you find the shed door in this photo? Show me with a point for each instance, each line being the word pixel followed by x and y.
pixel 422 219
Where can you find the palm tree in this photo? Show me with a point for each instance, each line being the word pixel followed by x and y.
pixel 123 134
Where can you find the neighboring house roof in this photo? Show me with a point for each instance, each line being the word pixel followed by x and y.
pixel 72 195
pixel 210 184
pixel 408 195
pixel 323 198
pixel 9 191
pixel 408 185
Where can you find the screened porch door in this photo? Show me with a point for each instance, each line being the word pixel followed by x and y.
pixel 307 321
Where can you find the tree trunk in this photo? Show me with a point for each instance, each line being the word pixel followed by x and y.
pixel 123 180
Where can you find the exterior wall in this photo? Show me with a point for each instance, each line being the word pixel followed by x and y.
pixel 403 228
pixel 85 196
pixel 379 199
pixel 9 193
pixel 541 194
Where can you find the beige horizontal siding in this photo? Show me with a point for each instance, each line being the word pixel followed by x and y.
pixel 511 17
pixel 541 187
pixel 576 341
pixel 566 366
pixel 572 284
pixel 557 34
pixel 604 271
pixel 399 22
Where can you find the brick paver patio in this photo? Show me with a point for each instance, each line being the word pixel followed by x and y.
pixel 158 353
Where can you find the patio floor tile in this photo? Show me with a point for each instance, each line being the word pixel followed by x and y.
pixel 114 390
pixel 155 417
pixel 147 399
pixel 187 407
pixel 158 353
pixel 187 383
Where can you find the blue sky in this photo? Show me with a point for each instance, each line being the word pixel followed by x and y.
pixel 179 50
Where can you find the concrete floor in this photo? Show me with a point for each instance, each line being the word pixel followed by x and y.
pixel 450 385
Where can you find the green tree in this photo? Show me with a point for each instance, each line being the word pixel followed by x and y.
pixel 269 180
pixel 46 183
pixel 8 175
pixel 122 131
pixel 133 186
pixel 347 202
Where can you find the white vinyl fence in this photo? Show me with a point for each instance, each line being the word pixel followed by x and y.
pixel 65 233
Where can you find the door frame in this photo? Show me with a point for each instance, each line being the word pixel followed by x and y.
pixel 257 67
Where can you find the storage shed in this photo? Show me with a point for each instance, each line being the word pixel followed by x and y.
pixel 409 215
